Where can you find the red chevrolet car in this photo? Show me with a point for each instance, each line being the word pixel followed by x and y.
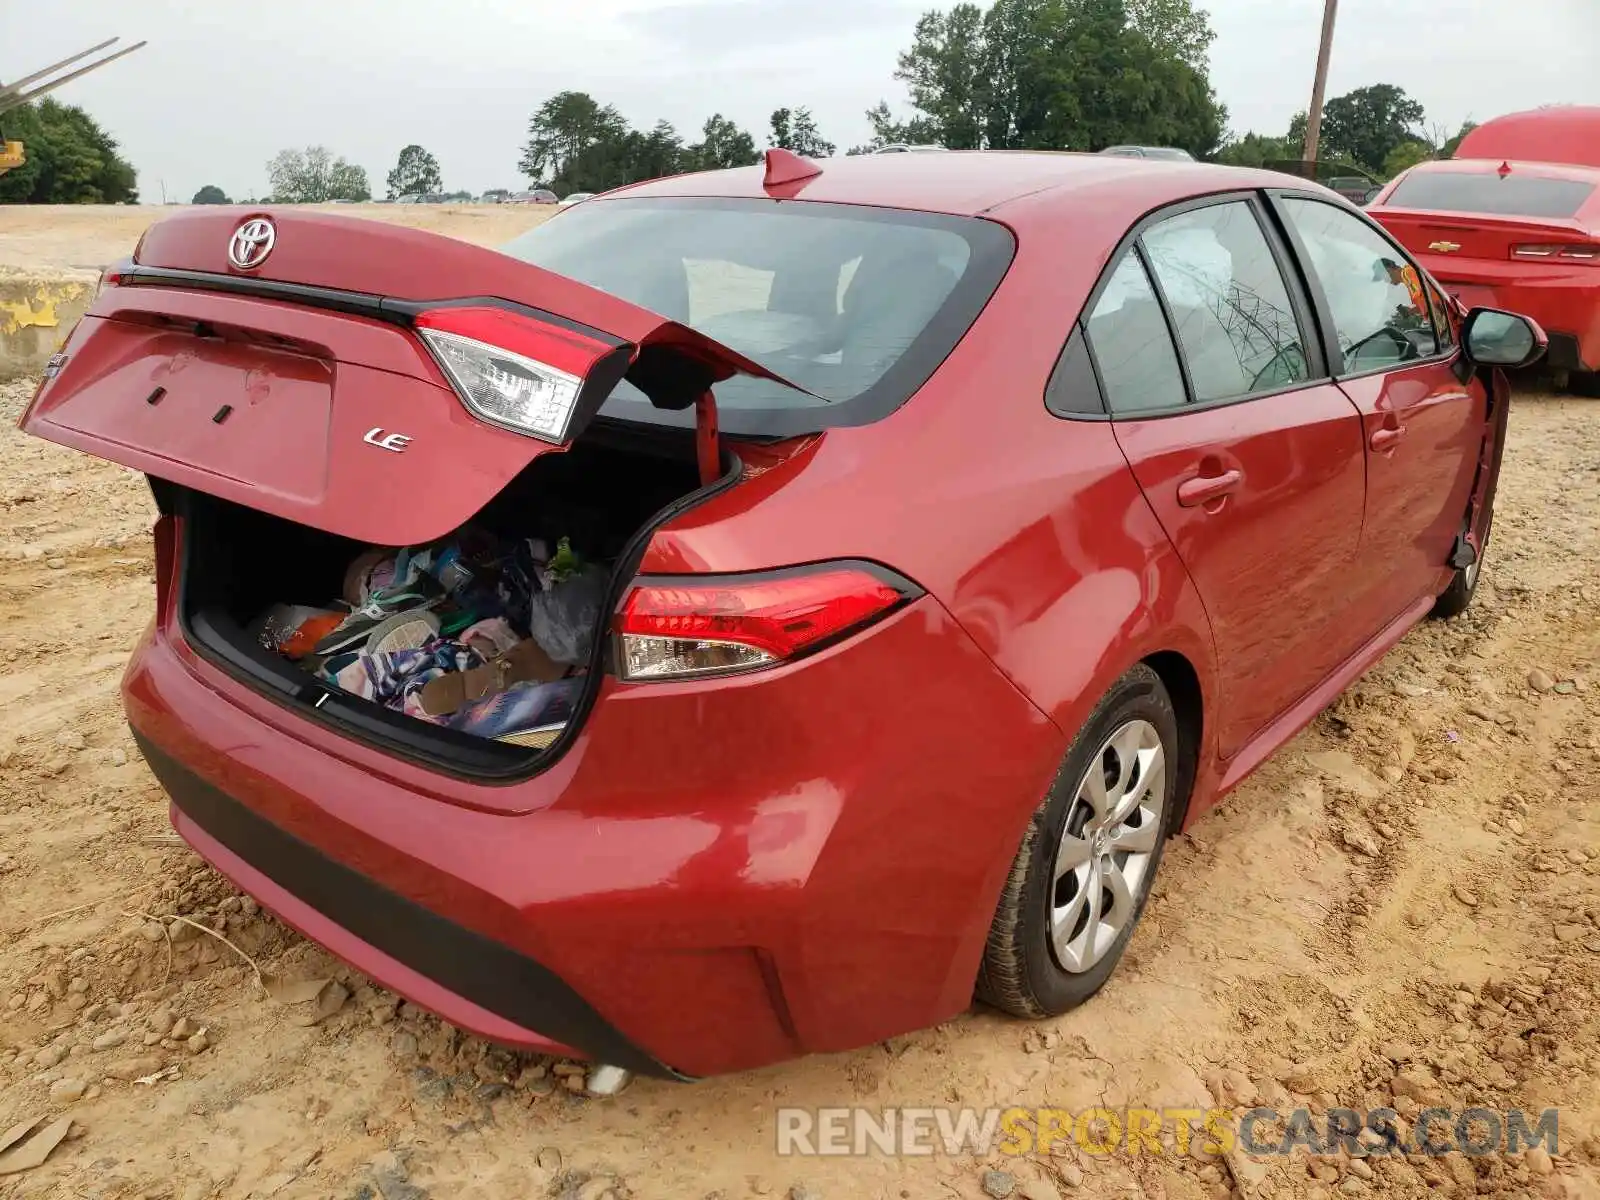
pixel 1514 221
pixel 968 524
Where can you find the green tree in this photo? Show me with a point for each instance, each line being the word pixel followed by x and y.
pixel 722 144
pixel 416 173
pixel 315 175
pixel 576 145
pixel 1295 141
pixel 1065 74
pixel 1405 156
pixel 944 72
pixel 1175 28
pixel 211 194
pixel 794 129
pixel 70 159
pixel 1448 150
pixel 1254 150
pixel 655 154
pixel 1366 125
pixel 886 131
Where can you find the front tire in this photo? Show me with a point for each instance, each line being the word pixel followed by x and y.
pixel 1087 861
pixel 1457 598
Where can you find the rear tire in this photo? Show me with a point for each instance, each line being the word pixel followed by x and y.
pixel 1080 879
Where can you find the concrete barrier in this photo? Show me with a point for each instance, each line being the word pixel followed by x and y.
pixel 36 313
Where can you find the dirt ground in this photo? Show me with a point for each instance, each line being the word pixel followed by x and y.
pixel 1401 908
pixel 82 236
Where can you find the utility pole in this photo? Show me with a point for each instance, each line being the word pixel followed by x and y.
pixel 1319 87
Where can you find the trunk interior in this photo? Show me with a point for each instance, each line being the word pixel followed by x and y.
pixel 237 563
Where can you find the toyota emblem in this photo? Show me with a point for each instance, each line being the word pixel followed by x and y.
pixel 251 243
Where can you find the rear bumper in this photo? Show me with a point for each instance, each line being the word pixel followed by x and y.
pixel 1566 303
pixel 709 880
pixel 489 988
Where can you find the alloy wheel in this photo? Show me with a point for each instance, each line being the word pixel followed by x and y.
pixel 1108 843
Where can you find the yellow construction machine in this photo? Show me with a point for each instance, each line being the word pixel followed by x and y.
pixel 13 95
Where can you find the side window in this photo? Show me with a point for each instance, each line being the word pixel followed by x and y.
pixel 1377 297
pixel 1443 329
pixel 1073 389
pixel 1131 346
pixel 1236 326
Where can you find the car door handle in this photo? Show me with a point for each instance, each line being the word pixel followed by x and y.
pixel 1204 488
pixel 1386 437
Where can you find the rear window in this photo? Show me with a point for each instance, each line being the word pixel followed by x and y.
pixel 856 305
pixel 1488 194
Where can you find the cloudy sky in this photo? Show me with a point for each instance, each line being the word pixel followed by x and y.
pixel 224 84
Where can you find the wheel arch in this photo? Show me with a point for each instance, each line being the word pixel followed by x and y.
pixel 1182 681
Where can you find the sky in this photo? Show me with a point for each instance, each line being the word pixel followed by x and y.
pixel 224 84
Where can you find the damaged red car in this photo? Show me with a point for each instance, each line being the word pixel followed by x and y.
pixel 755 612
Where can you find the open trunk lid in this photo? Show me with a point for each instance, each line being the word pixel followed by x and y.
pixel 323 380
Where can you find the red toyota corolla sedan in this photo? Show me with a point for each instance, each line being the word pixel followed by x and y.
pixel 1051 494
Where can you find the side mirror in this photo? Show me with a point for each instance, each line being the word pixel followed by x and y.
pixel 1493 338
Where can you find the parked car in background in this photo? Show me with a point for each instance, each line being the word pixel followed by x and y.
pixel 1164 153
pixel 1512 234
pixel 536 196
pixel 905 148
pixel 907 601
pixel 495 196
pixel 411 198
pixel 1349 180
pixel 576 198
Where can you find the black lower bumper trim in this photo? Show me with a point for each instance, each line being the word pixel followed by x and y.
pixel 477 968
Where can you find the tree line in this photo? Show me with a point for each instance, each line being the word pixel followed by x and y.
pixel 1012 75
pixel 70 159
pixel 1379 129
pixel 575 144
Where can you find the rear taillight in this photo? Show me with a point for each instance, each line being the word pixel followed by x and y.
pixel 1564 253
pixel 110 277
pixel 512 370
pixel 682 627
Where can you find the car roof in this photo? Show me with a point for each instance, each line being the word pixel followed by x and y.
pixel 973 182
pixel 1561 133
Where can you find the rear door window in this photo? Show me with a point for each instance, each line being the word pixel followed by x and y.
pixel 1375 294
pixel 1487 193
pixel 1131 346
pixel 1229 302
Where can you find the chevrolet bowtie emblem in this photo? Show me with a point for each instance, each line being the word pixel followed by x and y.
pixel 1444 247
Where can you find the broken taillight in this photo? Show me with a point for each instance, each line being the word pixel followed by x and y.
pixel 679 627
pixel 513 370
